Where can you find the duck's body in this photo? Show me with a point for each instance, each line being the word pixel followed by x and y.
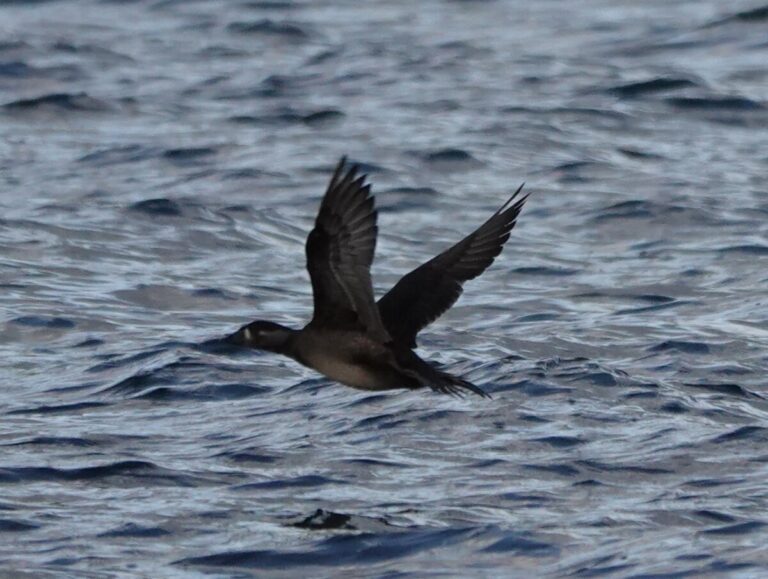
pixel 359 342
pixel 351 358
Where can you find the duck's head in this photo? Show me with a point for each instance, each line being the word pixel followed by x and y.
pixel 263 336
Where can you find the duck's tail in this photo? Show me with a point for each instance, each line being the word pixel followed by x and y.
pixel 455 386
pixel 425 374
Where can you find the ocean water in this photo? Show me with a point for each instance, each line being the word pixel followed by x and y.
pixel 161 162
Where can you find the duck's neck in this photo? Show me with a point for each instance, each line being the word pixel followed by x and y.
pixel 281 341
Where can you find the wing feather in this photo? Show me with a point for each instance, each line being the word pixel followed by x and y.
pixel 340 251
pixel 425 293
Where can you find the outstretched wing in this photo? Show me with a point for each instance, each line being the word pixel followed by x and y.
pixel 339 254
pixel 428 291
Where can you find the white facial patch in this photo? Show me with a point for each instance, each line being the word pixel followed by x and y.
pixel 247 334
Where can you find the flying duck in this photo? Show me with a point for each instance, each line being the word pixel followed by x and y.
pixel 354 339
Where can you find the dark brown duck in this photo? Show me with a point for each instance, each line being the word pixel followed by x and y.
pixel 352 338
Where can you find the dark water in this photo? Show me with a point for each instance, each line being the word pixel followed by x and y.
pixel 160 165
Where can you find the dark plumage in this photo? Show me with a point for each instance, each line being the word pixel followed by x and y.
pixel 423 295
pixel 353 339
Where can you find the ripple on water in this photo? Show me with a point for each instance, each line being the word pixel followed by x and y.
pixel 758 14
pixel 718 103
pixel 737 529
pixel 752 433
pixel 120 154
pixel 207 393
pixel 19 71
pixel 681 346
pixel 134 530
pixel 63 441
pixel 307 481
pixel 270 28
pixel 560 441
pixel 747 250
pixel 52 323
pixel 651 86
pixel 80 102
pixel 188 155
pixel 346 549
pixel 316 118
pixel 138 472
pixel 565 470
pixel 451 160
pixel 74 408
pixel 162 207
pixel 725 388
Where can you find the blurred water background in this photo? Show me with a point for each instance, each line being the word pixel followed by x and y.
pixel 161 162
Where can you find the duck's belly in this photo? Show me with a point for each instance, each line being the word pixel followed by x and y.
pixel 354 375
pixel 359 363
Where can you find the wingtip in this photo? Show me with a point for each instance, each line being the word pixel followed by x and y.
pixel 509 201
pixel 518 191
pixel 337 172
pixel 519 200
pixel 346 170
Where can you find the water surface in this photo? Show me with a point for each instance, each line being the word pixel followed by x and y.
pixel 161 163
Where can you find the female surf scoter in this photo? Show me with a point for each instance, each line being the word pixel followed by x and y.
pixel 352 338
